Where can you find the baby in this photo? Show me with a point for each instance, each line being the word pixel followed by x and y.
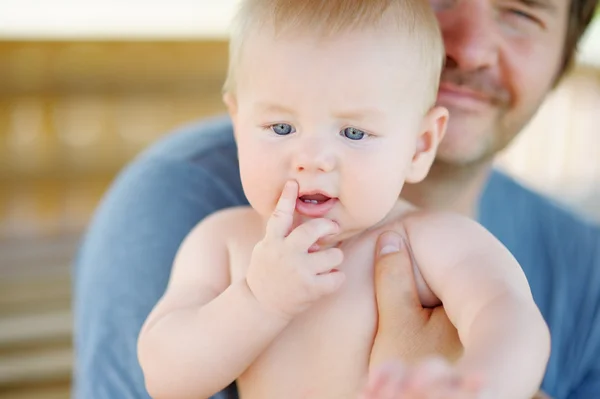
pixel 333 107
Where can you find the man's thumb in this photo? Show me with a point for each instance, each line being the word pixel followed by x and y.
pixel 389 242
pixel 394 277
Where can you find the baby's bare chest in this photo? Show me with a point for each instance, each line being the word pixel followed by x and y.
pixel 328 345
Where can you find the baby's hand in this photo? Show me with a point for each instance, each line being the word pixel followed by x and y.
pixel 283 275
pixel 431 379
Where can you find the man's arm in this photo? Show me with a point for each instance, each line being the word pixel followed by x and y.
pixel 125 259
pixel 580 350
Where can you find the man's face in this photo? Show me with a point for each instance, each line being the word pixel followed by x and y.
pixel 502 59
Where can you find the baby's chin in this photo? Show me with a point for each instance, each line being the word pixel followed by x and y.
pixel 326 243
pixel 331 241
pixel 336 240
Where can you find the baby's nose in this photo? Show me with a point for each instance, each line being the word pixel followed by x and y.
pixel 314 158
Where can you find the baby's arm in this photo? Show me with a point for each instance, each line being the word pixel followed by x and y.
pixel 486 296
pixel 204 332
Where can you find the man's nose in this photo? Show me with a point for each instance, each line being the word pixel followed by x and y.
pixel 471 34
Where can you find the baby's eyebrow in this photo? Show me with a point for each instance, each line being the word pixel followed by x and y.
pixel 272 107
pixel 359 113
pixel 355 114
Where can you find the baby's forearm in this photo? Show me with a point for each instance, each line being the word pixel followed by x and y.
pixel 196 352
pixel 509 344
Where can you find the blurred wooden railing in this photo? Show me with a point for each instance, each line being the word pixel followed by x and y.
pixel 73 113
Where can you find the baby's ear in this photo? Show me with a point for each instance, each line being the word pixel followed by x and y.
pixel 231 103
pixel 232 107
pixel 431 134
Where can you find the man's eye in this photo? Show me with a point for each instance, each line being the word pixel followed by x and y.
pixel 521 18
pixel 523 14
pixel 282 129
pixel 353 133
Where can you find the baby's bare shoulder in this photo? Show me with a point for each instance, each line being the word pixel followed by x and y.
pixel 422 224
pixel 231 215
pixel 230 222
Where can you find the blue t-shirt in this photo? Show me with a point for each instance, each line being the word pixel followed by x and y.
pixel 124 262
pixel 560 254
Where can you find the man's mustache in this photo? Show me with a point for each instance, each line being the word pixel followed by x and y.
pixel 477 81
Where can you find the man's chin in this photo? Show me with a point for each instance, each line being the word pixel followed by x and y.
pixel 462 157
pixel 464 150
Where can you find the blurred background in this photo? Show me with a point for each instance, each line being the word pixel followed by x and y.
pixel 86 85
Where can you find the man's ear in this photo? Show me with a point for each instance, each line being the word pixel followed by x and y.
pixel 431 134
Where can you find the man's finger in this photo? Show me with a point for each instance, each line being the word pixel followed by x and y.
pixel 432 371
pixel 280 222
pixel 395 287
pixel 385 382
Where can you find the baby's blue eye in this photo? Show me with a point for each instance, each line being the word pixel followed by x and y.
pixel 353 133
pixel 282 129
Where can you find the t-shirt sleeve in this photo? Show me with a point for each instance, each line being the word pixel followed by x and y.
pixel 125 259
pixel 590 386
pixel 582 346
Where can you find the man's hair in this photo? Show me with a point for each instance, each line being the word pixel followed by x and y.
pixel 413 18
pixel 581 13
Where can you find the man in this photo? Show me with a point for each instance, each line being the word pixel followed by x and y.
pixel 503 57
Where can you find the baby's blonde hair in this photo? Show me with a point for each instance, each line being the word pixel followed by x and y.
pixel 414 18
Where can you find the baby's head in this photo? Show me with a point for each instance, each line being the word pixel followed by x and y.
pixel 338 95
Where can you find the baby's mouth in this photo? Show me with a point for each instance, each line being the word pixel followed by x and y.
pixel 315 205
pixel 314 198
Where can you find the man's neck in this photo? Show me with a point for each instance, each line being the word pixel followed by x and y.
pixel 455 188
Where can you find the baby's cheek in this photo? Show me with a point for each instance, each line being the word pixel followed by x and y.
pixel 368 209
pixel 260 194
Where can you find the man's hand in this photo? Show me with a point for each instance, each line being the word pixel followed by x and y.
pixel 395 380
pixel 433 378
pixel 406 330
pixel 407 333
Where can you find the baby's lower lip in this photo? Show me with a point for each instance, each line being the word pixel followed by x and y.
pixel 315 209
